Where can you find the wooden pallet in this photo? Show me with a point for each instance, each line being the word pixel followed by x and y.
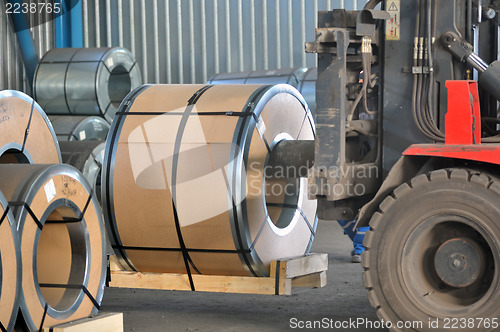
pixel 108 322
pixel 303 271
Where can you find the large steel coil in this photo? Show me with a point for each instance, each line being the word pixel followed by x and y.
pixel 26 135
pixel 79 128
pixel 302 78
pixel 85 81
pixel 10 267
pixel 183 183
pixel 87 157
pixel 292 76
pixel 62 242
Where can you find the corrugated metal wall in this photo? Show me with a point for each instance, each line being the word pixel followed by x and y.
pixel 11 65
pixel 187 41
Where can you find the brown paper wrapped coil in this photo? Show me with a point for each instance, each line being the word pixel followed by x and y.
pixel 27 135
pixel 183 185
pixel 62 242
pixel 10 267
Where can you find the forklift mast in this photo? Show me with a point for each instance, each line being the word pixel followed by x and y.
pixel 381 88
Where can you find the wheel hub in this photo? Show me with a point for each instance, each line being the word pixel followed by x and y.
pixel 459 262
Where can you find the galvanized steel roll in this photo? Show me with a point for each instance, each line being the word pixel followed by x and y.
pixel 183 183
pixel 87 157
pixel 10 267
pixel 291 76
pixel 85 81
pixel 62 242
pixel 26 135
pixel 307 87
pixel 79 128
pixel 302 78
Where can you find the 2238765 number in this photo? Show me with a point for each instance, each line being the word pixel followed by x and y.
pixel 470 323
pixel 33 8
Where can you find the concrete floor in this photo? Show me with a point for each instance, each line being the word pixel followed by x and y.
pixel 343 300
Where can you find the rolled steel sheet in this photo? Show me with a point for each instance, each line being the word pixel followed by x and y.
pixel 290 76
pixel 307 88
pixel 60 226
pixel 79 128
pixel 302 78
pixel 10 267
pixel 27 135
pixel 183 183
pixel 85 81
pixel 87 157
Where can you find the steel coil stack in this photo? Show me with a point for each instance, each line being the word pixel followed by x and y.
pixel 52 239
pixel 183 183
pixel 62 242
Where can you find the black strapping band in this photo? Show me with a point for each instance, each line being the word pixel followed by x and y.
pixel 66 79
pixel 45 308
pixel 2 328
pixel 64 220
pixel 82 287
pixel 260 231
pixel 86 205
pixel 4 215
pixel 219 251
pixel 107 199
pixel 175 160
pixel 226 113
pixel 27 131
pixel 30 211
pixel 268 147
pixel 96 160
pixel 277 278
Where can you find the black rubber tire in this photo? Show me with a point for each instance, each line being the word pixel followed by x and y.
pixel 404 235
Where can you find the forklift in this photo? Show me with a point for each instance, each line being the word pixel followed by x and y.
pixel 407 143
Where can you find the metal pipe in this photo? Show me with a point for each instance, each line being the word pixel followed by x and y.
pixel 76 22
pixel 476 62
pixel 290 159
pixel 25 41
